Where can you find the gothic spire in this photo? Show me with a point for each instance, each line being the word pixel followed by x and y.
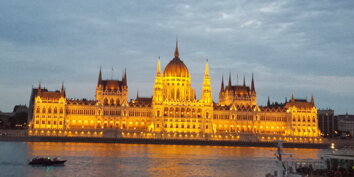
pixel 244 80
pixel 222 83
pixel 39 88
pixel 124 79
pixel 158 66
pixel 268 102
pixel 229 80
pixel 176 50
pixel 206 73
pixel 62 89
pixel 312 99
pixel 253 89
pixel 99 77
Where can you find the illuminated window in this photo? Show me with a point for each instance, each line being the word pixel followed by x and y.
pixel 38 110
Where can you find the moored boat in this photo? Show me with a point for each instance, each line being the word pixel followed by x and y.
pixel 46 161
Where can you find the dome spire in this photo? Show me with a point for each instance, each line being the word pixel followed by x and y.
pixel 176 50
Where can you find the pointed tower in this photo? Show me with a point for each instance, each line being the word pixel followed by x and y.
pixel 99 78
pixel 312 100
pixel 268 102
pixel 292 98
pixel 124 77
pixel 176 49
pixel 222 84
pixel 253 89
pixel 229 85
pixel 157 94
pixel 62 91
pixel 244 80
pixel 206 90
pixel 39 92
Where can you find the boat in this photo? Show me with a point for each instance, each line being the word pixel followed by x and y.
pixel 333 162
pixel 46 161
pixel 285 166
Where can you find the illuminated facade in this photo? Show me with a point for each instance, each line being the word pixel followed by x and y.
pixel 173 111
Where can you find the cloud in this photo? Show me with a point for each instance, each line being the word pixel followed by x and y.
pixel 291 46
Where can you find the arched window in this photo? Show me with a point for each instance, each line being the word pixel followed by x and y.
pixel 49 110
pixel 61 110
pixel 55 110
pixel 43 110
pixel 207 115
pixel 171 112
pixel 117 101
pixel 177 94
pixel 165 112
pixel 112 101
pixel 38 110
pixel 105 101
pixel 177 112
pixel 158 113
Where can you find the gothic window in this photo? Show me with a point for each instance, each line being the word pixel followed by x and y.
pixel 43 110
pixel 38 110
pixel 105 101
pixel 177 112
pixel 117 101
pixel 112 101
pixel 49 110
pixel 177 94
pixel 55 110
pixel 158 113
pixel 207 115
pixel 171 112
pixel 199 112
pixel 61 110
pixel 165 112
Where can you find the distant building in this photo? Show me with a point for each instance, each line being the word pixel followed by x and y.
pixel 346 123
pixel 327 122
pixel 15 119
pixel 173 111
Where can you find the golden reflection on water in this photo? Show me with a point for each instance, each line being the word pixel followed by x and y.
pixel 100 159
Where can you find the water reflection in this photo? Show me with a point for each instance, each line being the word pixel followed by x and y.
pixel 99 159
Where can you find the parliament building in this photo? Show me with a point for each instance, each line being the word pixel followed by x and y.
pixel 173 111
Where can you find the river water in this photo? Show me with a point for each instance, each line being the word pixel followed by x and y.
pixel 101 159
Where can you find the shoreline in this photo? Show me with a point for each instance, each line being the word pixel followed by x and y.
pixel 160 141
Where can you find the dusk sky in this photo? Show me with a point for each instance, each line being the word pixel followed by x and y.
pixel 301 47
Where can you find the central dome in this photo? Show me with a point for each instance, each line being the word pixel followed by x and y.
pixel 176 67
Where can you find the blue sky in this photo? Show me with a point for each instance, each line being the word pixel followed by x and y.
pixel 291 46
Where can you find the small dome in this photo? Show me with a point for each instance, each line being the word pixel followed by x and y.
pixel 176 68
